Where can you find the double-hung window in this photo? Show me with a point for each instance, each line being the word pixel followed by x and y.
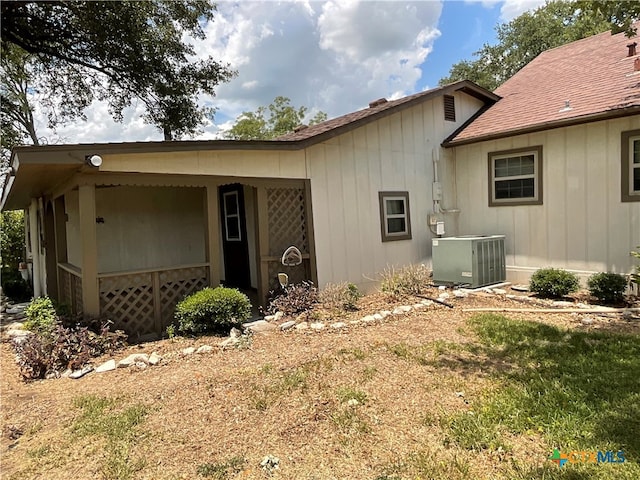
pixel 395 221
pixel 515 177
pixel 630 166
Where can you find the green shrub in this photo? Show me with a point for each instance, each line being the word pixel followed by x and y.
pixel 607 287
pixel 294 299
pixel 212 309
pixel 41 316
pixel 408 280
pixel 341 296
pixel 635 277
pixel 553 282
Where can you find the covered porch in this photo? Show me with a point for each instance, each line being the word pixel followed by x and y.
pixel 128 247
pixel 124 231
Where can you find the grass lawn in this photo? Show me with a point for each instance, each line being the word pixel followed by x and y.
pixel 436 394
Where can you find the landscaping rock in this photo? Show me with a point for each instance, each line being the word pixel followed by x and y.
pixel 385 313
pixel 460 294
pixel 275 317
pixel 140 365
pixel 18 335
pixel 302 326
pixel 235 333
pixel 188 350
pixel 369 318
pixel 353 402
pixel 287 325
pixel 520 288
pixel 230 342
pixel 562 304
pixel 80 373
pixel 317 326
pixel 587 321
pixel 154 359
pixel 378 316
pixel 206 348
pixel 443 296
pixel 270 463
pixel 427 302
pixel 418 306
pixel 132 359
pixel 259 326
pixel 338 325
pixel 106 366
pixel 397 311
pixel 499 291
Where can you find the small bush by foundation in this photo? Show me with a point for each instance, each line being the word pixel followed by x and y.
pixel 212 310
pixel 553 283
pixel 607 287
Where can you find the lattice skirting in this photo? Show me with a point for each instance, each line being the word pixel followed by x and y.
pixel 143 303
pixel 71 291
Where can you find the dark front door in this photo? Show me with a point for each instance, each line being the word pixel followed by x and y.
pixel 234 236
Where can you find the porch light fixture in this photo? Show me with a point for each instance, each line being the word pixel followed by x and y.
pixel 93 160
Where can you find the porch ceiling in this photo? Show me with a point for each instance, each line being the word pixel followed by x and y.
pixel 32 181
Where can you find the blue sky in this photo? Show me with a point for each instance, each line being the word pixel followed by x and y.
pixel 331 55
pixel 465 27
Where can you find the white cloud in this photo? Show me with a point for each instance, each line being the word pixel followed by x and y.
pixel 510 9
pixel 333 56
pixel 514 8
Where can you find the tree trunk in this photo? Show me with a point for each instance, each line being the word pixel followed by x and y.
pixel 168 135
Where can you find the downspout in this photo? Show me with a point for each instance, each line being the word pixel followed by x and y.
pixel 34 246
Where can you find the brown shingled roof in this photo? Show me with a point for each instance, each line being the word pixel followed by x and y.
pixel 594 75
pixel 339 125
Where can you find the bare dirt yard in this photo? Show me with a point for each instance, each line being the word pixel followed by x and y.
pixel 367 401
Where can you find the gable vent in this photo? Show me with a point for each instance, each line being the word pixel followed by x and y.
pixel 449 108
pixel 377 103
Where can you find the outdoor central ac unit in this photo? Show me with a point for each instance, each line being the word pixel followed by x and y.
pixel 472 260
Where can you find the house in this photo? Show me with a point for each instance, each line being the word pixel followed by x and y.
pixel 125 230
pixel 554 165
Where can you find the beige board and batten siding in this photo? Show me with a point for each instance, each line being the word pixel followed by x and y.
pixel 582 225
pixel 221 163
pixel 141 227
pixel 393 153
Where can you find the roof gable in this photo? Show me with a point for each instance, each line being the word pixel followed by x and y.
pixel 379 109
pixel 587 80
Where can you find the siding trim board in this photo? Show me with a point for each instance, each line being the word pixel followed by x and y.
pixel 625 167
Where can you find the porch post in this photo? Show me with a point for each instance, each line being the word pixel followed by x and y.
pixel 263 244
pixel 34 236
pixel 213 239
pixel 89 250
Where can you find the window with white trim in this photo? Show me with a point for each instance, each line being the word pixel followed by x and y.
pixel 515 177
pixel 232 217
pixel 631 166
pixel 395 220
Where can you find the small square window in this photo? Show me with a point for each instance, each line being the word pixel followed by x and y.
pixel 515 177
pixel 630 166
pixel 395 223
